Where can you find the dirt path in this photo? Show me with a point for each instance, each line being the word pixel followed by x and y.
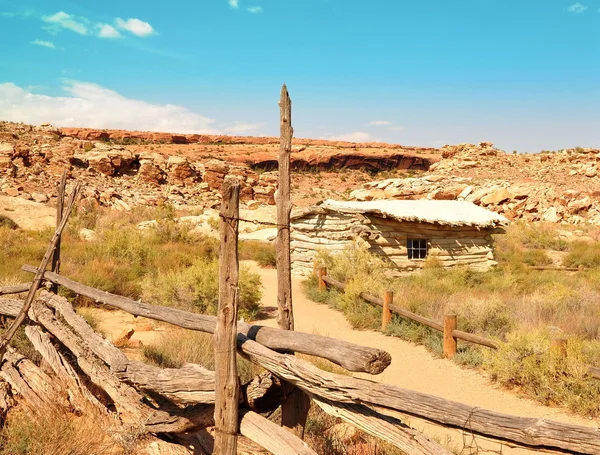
pixel 413 367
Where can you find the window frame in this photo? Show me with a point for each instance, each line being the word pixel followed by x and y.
pixel 421 248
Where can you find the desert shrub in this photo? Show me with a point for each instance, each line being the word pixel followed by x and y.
pixel 528 362
pixel 261 252
pixel 490 316
pixel 196 288
pixel 540 236
pixel 185 346
pixel 311 289
pixel 583 254
pixel 352 262
pixel 416 333
pixel 536 257
pixel 6 222
pixel 168 228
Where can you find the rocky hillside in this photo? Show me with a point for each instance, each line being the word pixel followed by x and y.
pixel 561 186
pixel 122 169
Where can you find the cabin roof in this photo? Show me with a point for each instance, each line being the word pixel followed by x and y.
pixel 444 213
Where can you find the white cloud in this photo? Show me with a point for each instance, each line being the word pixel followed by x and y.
pixel 234 3
pixel 255 9
pixel 90 105
pixel 39 42
pixel 577 8
pixel 244 129
pixel 66 21
pixel 135 26
pixel 107 31
pixel 380 123
pixel 357 136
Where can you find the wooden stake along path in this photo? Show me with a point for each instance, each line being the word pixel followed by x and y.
pixel 225 338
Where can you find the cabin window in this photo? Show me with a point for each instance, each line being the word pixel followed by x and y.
pixel 417 248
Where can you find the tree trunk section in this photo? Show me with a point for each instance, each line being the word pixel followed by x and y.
pixel 226 376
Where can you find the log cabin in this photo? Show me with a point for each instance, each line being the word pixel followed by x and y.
pixel 405 233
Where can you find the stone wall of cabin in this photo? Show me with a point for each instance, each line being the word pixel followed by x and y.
pixel 333 232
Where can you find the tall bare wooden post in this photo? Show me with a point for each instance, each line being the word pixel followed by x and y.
pixel 294 410
pixel 285 313
pixel 225 338
pixel 60 202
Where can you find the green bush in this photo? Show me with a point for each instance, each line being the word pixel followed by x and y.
pixel 196 288
pixel 6 222
pixel 261 252
pixel 536 258
pixel 528 362
pixel 584 254
pixel 540 236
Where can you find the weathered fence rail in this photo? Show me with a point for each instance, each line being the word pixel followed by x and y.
pixel 351 356
pixel 459 334
pixel 344 394
pixel 450 333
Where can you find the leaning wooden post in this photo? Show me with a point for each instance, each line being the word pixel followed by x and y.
pixel 225 338
pixel 449 339
pixel 321 275
pixel 60 202
pixel 388 299
pixel 294 410
pixel 39 274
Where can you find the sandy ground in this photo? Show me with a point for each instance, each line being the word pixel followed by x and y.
pixel 27 214
pixel 413 367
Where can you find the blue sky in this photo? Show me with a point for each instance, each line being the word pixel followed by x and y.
pixel 524 74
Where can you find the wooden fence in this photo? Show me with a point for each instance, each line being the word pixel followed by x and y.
pixel 171 404
pixel 450 333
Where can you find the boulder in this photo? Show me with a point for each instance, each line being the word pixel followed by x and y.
pixel 101 162
pixel 39 197
pixel 496 197
pixel 580 205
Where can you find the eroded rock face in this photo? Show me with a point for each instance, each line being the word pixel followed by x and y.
pixel 560 187
pixel 123 169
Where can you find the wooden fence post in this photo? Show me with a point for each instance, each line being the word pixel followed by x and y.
pixel 225 338
pixel 449 340
pixel 60 202
pixel 322 273
pixel 294 411
pixel 386 317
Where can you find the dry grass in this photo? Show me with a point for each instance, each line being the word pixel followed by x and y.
pixel 168 264
pixel 504 303
pixel 55 431
pixel 179 347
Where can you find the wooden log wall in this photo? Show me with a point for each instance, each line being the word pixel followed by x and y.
pixel 332 232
